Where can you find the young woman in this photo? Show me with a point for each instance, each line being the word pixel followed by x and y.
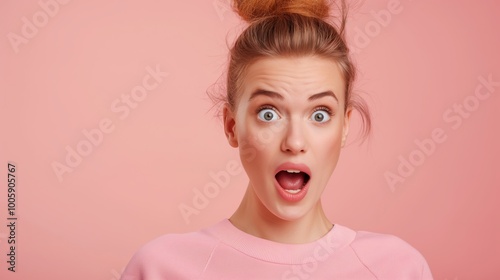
pixel 287 109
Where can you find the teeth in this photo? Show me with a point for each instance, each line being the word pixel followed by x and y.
pixel 293 191
pixel 293 171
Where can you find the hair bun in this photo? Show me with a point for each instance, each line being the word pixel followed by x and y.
pixel 251 10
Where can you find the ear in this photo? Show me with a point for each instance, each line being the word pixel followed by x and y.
pixel 345 128
pixel 230 126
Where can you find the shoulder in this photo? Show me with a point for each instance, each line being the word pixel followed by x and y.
pixel 178 245
pixel 373 244
pixel 172 256
pixel 388 256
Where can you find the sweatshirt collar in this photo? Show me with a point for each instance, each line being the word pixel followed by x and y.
pixel 337 238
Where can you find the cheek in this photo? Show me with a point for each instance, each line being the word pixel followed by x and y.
pixel 256 158
pixel 259 152
pixel 334 139
pixel 329 147
pixel 259 136
pixel 253 143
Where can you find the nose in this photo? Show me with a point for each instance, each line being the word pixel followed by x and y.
pixel 294 138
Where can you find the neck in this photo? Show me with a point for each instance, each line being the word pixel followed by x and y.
pixel 254 218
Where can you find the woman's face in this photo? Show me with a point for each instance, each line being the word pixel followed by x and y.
pixel 291 110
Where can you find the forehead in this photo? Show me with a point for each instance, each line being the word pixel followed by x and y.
pixel 295 76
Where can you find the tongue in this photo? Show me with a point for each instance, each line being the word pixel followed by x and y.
pixel 290 181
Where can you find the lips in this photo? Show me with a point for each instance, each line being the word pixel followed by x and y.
pixel 292 181
pixel 295 167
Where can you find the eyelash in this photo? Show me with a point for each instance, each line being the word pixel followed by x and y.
pixel 320 108
pixel 323 108
pixel 265 107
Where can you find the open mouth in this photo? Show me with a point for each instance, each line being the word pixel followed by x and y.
pixel 292 181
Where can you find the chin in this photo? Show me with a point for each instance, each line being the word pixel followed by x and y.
pixel 290 213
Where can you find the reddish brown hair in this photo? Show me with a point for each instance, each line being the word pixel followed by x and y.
pixel 290 29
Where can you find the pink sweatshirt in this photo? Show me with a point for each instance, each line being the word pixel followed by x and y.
pixel 222 251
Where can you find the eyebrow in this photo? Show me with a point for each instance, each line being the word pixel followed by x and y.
pixel 276 95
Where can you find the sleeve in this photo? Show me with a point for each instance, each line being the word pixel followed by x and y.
pixel 426 271
pixel 390 257
pixel 133 270
pixel 155 260
pixel 172 256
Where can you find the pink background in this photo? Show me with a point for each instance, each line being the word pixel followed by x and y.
pixel 414 68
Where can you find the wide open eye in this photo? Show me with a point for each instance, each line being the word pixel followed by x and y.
pixel 321 115
pixel 267 114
